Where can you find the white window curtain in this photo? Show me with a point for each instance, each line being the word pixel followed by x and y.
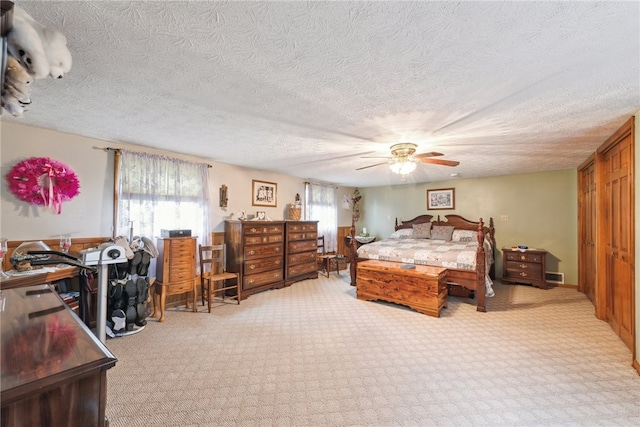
pixel 156 192
pixel 321 205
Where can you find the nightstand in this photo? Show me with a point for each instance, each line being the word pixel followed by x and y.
pixel 524 266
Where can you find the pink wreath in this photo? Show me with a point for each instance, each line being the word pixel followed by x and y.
pixel 43 181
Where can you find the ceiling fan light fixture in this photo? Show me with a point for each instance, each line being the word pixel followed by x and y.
pixel 404 149
pixel 403 166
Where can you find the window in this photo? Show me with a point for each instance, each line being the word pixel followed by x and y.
pixel 156 193
pixel 321 205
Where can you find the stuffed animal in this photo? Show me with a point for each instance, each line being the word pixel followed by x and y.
pixel 58 55
pixel 25 45
pixel 18 81
pixel 41 50
pixel 17 88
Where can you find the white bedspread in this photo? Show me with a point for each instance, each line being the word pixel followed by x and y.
pixel 438 253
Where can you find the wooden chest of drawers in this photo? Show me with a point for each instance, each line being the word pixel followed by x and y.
pixel 255 250
pixel 526 266
pixel 176 271
pixel 176 259
pixel 301 251
pixel 423 288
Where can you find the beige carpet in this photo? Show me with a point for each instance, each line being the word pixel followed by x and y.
pixel 313 355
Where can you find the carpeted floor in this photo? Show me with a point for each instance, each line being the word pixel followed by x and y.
pixel 313 355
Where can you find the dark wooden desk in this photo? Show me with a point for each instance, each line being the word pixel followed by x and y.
pixel 53 368
pixel 39 278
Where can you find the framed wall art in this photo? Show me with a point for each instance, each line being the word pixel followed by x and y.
pixel 442 198
pixel 264 193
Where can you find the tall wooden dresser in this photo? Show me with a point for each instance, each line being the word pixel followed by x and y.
pixel 302 247
pixel 176 271
pixel 255 249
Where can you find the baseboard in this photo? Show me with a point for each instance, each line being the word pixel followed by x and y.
pixel 636 365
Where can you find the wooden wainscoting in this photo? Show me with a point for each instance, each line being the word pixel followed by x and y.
pixel 77 244
pixel 342 247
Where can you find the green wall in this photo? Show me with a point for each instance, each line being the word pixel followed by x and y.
pixel 542 210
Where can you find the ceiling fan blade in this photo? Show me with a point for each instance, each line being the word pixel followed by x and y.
pixel 376 157
pixel 429 154
pixel 439 162
pixel 370 166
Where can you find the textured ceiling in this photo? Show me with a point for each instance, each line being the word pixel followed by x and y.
pixel 306 88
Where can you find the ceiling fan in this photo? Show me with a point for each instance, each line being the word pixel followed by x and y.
pixel 403 160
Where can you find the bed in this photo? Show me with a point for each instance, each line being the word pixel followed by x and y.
pixel 466 248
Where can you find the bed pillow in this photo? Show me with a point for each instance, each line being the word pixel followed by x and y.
pixel 442 232
pixel 464 236
pixel 422 231
pixel 403 233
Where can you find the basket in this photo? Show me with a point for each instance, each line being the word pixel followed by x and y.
pixel 295 213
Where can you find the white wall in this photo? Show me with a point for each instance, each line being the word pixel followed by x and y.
pixel 90 214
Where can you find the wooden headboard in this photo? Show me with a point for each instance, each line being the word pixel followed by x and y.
pixel 457 221
pixel 417 220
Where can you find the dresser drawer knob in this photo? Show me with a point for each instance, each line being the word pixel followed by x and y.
pixel 523 274
pixel 278 249
pixel 252 267
pixel 251 281
pixel 252 252
pixel 522 257
pixel 523 265
pixel 253 230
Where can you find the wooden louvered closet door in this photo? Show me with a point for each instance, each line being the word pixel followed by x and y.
pixel 616 231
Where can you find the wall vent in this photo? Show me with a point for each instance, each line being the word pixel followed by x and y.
pixel 554 277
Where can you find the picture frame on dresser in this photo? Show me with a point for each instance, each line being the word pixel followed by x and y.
pixel 264 193
pixel 442 198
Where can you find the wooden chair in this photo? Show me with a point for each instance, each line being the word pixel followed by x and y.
pixel 324 259
pixel 213 264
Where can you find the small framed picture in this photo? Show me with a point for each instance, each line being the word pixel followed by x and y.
pixel 264 193
pixel 442 198
pixel 261 215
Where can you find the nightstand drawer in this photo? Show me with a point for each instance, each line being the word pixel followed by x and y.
pixel 521 256
pixel 530 274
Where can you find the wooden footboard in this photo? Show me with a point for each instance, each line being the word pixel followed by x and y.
pixel 472 280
